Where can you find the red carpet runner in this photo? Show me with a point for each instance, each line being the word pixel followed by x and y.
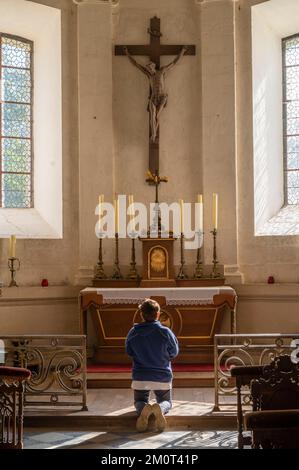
pixel 114 368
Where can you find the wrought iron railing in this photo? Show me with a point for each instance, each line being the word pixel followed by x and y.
pixel 57 364
pixel 243 350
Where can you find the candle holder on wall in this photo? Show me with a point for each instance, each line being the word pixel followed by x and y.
pixel 215 274
pixel 14 265
pixel 116 272
pixel 182 274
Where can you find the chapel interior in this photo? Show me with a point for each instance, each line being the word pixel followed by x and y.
pixel 112 111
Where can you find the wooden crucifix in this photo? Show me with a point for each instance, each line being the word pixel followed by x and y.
pixel 156 75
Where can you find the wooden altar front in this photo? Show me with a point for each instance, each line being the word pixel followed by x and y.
pixel 194 315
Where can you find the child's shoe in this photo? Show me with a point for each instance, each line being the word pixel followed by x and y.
pixel 142 421
pixel 160 418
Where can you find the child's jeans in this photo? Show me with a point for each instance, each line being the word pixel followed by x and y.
pixel 163 397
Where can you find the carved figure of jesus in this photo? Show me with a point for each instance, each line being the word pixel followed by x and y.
pixel 158 96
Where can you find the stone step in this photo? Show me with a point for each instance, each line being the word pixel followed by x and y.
pixel 212 421
pixel 123 379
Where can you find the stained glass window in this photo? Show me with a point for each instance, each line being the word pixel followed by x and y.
pixel 16 93
pixel 291 118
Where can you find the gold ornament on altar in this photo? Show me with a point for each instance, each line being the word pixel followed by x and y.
pixel 158 260
pixel 166 319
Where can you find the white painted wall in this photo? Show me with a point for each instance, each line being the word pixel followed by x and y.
pixel 282 15
pixel 42 25
pixel 271 21
pixel 267 119
pixel 260 256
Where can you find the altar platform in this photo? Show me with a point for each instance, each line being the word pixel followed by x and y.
pixel 113 410
pixel 194 314
pixel 103 376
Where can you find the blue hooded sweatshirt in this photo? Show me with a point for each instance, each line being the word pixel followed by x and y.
pixel 151 346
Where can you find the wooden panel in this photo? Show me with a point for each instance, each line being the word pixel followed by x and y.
pixel 202 282
pixel 195 327
pixel 113 322
pixel 115 283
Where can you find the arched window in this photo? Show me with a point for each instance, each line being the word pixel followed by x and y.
pixel 16 146
pixel 291 118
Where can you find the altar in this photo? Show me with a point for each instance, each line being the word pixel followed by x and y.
pixel 194 314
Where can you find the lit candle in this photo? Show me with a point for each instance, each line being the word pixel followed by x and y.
pixel 101 201
pixel 116 215
pixel 12 247
pixel 200 213
pixel 215 211
pixel 182 215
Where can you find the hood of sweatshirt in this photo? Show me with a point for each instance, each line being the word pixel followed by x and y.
pixel 147 328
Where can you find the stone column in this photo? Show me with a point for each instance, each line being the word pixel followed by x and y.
pixel 96 155
pixel 219 149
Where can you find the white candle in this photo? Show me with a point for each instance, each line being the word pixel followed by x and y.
pixel 131 206
pixel 101 201
pixel 200 212
pixel 12 247
pixel 215 211
pixel 116 215
pixel 182 215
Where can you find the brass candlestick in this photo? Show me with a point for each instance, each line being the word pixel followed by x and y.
pixel 100 273
pixel 116 273
pixel 182 274
pixel 14 265
pixel 198 273
pixel 133 274
pixel 214 273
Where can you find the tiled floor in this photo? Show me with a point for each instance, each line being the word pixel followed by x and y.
pixel 117 402
pixel 43 439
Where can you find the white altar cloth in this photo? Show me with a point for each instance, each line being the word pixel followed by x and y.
pixel 173 295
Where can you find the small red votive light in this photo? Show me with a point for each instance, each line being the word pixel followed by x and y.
pixel 45 283
pixel 271 280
